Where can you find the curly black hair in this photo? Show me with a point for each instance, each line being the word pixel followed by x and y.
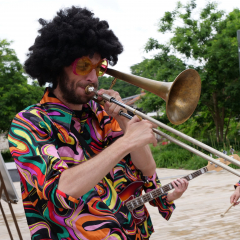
pixel 74 32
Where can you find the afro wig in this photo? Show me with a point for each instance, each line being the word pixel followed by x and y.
pixel 73 33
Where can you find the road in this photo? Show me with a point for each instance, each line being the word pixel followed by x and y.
pixel 197 213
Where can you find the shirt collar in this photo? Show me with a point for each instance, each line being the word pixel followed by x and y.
pixel 61 115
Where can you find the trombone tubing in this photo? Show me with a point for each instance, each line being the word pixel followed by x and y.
pixel 189 148
pixel 182 135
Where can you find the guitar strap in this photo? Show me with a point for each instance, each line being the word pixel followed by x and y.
pixel 82 141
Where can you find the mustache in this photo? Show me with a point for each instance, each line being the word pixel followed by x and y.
pixel 82 85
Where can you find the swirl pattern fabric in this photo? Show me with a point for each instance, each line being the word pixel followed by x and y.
pixel 43 146
pixel 237 184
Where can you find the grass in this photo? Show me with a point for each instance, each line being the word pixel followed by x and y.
pixel 176 157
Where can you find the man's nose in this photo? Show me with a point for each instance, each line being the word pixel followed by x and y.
pixel 92 76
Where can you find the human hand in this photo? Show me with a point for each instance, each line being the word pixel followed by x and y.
pixel 235 196
pixel 139 133
pixel 180 186
pixel 113 109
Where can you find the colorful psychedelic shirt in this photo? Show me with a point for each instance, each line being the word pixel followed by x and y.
pixel 43 146
pixel 237 184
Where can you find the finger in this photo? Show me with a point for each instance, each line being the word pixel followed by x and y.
pixel 106 91
pixel 106 106
pixel 154 141
pixel 184 184
pixel 180 182
pixel 101 91
pixel 134 120
pixel 236 197
pixel 114 108
pixel 175 184
pixel 154 125
pixel 109 92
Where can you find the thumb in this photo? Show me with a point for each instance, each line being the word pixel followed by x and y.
pixel 134 120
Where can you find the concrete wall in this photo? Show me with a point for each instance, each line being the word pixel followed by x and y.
pixel 3 142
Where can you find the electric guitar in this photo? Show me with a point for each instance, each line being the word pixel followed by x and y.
pixel 127 195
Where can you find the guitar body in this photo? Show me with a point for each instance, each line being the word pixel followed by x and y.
pixel 127 194
pixel 131 202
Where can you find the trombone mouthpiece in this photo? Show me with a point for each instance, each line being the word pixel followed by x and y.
pixel 89 89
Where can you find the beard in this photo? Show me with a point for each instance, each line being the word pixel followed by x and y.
pixel 68 88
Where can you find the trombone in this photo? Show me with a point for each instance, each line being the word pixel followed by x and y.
pixel 181 97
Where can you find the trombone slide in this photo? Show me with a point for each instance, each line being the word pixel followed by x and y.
pixel 182 135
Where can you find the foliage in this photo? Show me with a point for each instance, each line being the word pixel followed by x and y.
pixel 174 157
pixel 211 40
pixel 164 67
pixel 15 92
pixel 123 88
pixel 7 157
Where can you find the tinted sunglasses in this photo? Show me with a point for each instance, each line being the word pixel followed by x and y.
pixel 83 66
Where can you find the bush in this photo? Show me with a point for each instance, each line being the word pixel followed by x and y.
pixel 176 157
pixel 7 157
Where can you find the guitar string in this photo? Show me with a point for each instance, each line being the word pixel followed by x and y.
pixel 157 192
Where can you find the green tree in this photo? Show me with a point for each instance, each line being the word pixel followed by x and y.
pixel 15 92
pixel 123 88
pixel 164 67
pixel 211 40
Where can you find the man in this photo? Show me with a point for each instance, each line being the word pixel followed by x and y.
pixel 73 155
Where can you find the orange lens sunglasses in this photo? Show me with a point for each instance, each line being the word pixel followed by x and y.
pixel 83 66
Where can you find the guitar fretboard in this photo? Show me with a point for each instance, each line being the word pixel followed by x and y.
pixel 139 201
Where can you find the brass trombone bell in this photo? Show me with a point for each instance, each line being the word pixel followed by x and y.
pixel 109 98
pixel 181 95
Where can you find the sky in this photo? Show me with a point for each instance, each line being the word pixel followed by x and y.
pixel 133 22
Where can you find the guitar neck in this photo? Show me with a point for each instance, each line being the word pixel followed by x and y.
pixel 139 201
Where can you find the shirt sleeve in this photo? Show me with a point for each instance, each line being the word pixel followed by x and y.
pixel 112 131
pixel 34 151
pixel 165 208
pixel 237 184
